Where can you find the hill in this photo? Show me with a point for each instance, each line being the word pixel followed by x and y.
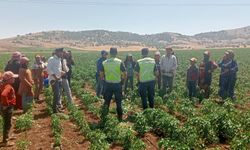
pixel 102 39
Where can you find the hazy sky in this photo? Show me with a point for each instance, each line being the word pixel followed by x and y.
pixel 139 16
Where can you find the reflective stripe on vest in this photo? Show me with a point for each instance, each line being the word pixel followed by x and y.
pixel 146 69
pixel 112 70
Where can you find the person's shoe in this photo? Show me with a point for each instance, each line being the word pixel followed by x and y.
pixel 6 143
pixel 119 118
pixel 12 137
pixel 60 110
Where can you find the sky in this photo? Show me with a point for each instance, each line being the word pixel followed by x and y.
pixel 187 17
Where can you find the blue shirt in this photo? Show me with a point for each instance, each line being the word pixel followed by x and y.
pixel 99 65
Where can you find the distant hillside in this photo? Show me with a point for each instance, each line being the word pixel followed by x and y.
pixel 101 38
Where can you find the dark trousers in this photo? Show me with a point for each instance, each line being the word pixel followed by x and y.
pixel 99 87
pixel 167 83
pixel 130 79
pixel 227 84
pixel 69 76
pixel 147 92
pixel 231 87
pixel 110 89
pixel 192 88
pixel 6 114
pixel 159 82
pixel 56 88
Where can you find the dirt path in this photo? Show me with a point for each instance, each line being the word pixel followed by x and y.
pixel 72 139
pixel 40 135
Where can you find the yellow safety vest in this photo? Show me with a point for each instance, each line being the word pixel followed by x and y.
pixel 112 70
pixel 146 65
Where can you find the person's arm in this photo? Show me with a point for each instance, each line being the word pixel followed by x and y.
pixel 72 61
pixel 214 65
pixel 174 66
pixel 156 71
pixel 124 72
pixel 101 73
pixel 137 71
pixel 5 96
pixel 235 67
pixel 162 64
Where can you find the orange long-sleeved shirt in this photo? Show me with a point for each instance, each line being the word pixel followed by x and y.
pixel 8 97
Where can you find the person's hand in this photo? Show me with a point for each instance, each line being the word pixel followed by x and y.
pixel 63 73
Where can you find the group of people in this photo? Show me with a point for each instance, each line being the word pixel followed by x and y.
pixel 112 73
pixel 18 80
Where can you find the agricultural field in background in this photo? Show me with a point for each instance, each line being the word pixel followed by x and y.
pixel 175 123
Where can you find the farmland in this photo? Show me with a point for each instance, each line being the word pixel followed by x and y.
pixel 175 123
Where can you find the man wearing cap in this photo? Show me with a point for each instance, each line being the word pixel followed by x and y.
pixel 145 72
pixel 99 81
pixel 192 78
pixel 13 65
pixel 206 69
pixel 168 66
pixel 112 70
pixel 233 75
pixel 228 70
pixel 8 101
pixel 55 77
pixel 158 66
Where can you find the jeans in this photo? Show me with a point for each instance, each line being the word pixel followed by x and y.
pixel 227 85
pixel 116 89
pixel 192 88
pixel 56 88
pixel 131 83
pixel 99 87
pixel 67 90
pixel 232 83
pixel 167 83
pixel 6 114
pixel 46 82
pixel 27 101
pixel 159 82
pixel 147 91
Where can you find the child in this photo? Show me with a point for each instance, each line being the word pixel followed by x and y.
pixel 7 103
pixel 37 72
pixel 26 83
pixel 192 78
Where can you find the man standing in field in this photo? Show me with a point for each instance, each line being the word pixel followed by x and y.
pixel 229 69
pixel 112 70
pixel 206 69
pixel 55 77
pixel 168 66
pixel 99 81
pixel 157 58
pixel 145 72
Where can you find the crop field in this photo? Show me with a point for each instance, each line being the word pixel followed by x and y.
pixel 175 123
